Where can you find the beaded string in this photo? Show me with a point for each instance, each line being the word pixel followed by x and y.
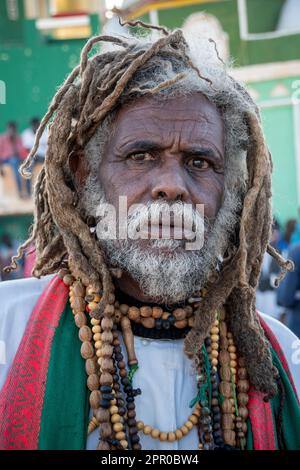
pixel 220 412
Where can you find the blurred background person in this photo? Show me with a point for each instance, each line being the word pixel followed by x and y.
pixel 265 295
pixel 285 241
pixel 12 153
pixel 28 138
pixel 8 248
pixel 288 293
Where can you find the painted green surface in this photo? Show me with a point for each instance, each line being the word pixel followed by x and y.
pixel 278 127
pixel 225 11
pixel 263 15
pixel 279 130
pixel 16 225
pixel 11 31
pixel 33 72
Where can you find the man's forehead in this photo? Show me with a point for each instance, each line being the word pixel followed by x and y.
pixel 194 114
pixel 192 105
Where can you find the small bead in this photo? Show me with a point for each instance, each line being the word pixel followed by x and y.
pixel 214 330
pixel 155 433
pixel 106 379
pixel 193 419
pixel 157 312
pixel 146 311
pixel 148 322
pixel 124 444
pixel 179 314
pixel 133 313
pixel 104 404
pixel 136 441
pixel 93 382
pixel 163 436
pixel 94 399
pixel 80 319
pixel 181 324
pixel 102 415
pixel 184 430
pixel 113 410
pixel 189 424
pixel 171 437
pixel 124 309
pixel 215 338
pixel 87 350
pixel 97 337
pixel 96 328
pixel 117 427
pixel 115 418
pixel 147 430
pixel 178 434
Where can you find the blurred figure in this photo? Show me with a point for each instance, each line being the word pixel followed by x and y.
pixel 28 137
pixel 265 294
pixel 29 261
pixel 7 250
pixel 284 243
pixel 12 152
pixel 288 293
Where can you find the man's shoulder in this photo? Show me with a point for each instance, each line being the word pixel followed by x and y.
pixel 290 345
pixel 18 299
pixel 281 331
pixel 20 293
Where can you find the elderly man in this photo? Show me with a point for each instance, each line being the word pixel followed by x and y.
pixel 170 353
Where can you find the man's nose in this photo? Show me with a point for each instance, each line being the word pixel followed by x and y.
pixel 170 186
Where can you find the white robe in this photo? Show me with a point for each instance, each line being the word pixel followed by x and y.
pixel 165 375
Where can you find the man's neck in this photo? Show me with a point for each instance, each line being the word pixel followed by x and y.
pixel 129 292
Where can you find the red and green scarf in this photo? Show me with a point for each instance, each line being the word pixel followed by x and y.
pixel 44 403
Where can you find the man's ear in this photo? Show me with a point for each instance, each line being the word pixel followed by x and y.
pixel 78 167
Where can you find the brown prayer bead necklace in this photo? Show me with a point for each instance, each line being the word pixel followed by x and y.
pixel 220 408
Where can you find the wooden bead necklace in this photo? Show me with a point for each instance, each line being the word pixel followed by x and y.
pixel 220 407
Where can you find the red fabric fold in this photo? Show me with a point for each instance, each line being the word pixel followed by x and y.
pixel 260 412
pixel 22 396
pixel 261 418
pixel 277 348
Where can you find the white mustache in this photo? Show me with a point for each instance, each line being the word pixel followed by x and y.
pixel 159 219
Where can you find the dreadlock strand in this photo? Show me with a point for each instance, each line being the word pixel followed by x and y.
pixel 91 42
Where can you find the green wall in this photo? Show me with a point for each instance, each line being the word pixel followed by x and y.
pixel 278 124
pixel 32 72
pixel 262 17
pixel 17 226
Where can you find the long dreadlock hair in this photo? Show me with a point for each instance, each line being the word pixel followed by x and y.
pixel 92 92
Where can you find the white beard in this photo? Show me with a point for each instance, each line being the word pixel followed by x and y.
pixel 165 271
pixel 168 276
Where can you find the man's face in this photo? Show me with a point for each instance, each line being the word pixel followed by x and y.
pixel 171 149
pixel 164 150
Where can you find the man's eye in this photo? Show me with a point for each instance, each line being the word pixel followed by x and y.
pixel 140 157
pixel 198 163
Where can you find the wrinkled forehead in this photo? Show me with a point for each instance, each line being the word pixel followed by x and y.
pixel 193 115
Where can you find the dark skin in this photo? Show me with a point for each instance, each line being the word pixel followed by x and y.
pixel 171 150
